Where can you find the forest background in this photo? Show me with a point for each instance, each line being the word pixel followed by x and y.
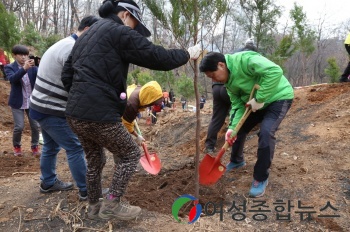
pixel 308 53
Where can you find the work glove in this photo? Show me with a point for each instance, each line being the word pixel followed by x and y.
pixel 228 137
pixel 194 52
pixel 255 105
pixel 140 139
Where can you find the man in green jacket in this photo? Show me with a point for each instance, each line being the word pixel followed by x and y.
pixel 240 72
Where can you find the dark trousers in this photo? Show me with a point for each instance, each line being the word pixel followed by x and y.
pixel 154 119
pixel 269 119
pixel 346 73
pixel 221 107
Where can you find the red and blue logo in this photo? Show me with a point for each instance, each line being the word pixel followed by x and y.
pixel 195 211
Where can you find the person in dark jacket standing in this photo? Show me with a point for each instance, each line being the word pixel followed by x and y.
pixel 157 107
pixel 201 102
pixel 221 107
pixel 249 45
pixel 172 98
pixel 22 74
pixel 95 75
pixel 183 102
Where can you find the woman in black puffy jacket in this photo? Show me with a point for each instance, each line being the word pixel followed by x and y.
pixel 95 75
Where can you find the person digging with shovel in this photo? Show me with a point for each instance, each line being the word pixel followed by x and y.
pixel 139 98
pixel 240 72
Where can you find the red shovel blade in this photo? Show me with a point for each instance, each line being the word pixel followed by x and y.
pixel 150 162
pixel 210 169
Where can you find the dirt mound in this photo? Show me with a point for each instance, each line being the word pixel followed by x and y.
pixel 310 173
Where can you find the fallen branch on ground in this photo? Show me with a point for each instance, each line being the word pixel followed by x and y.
pixel 15 173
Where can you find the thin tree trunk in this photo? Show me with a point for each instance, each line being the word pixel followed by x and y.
pixel 195 69
pixel 73 15
pixel 67 18
pixel 45 16
pixel 224 33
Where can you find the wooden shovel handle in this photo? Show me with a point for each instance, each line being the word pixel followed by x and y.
pixel 235 131
pixel 137 128
pixel 246 114
pixel 145 150
pixel 143 143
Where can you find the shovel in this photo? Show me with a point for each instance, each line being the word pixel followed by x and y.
pixel 211 169
pixel 150 162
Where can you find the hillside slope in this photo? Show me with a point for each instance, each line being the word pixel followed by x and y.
pixel 311 168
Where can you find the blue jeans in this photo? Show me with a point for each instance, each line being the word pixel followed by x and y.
pixel 269 119
pixel 57 134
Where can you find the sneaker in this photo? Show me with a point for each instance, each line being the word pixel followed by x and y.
pixel 258 188
pixel 35 151
pixel 93 211
pixel 118 210
pixel 58 186
pixel 17 151
pixel 83 196
pixel 230 166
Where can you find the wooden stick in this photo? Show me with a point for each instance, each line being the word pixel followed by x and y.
pixel 27 219
pixel 87 228
pixel 20 219
pixel 15 173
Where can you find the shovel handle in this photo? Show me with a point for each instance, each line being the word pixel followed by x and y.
pixel 137 128
pixel 247 112
pixel 241 121
pixel 244 117
pixel 143 144
pixel 235 131
pixel 145 149
pixel 255 87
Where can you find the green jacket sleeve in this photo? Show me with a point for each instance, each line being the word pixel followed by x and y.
pixel 269 75
pixel 237 110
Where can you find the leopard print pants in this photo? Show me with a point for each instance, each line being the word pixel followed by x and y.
pixel 94 137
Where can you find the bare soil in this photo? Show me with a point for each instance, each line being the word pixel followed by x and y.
pixel 310 170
